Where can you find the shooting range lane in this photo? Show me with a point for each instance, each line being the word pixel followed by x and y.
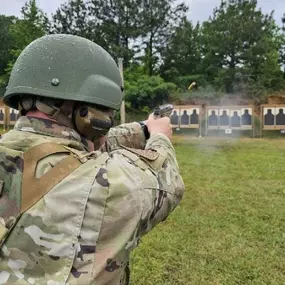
pixel 186 117
pixel 246 118
pixel 8 116
pixel 273 117
pixel 235 118
pixel 229 117
pixel 175 117
pixel 213 118
pixel 190 117
pixel 224 118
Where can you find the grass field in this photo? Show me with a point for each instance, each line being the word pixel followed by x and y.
pixel 230 226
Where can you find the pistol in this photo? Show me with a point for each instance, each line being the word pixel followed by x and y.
pixel 163 111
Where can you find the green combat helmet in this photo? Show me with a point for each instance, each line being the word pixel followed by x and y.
pixel 66 67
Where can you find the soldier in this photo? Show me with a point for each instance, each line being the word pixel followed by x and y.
pixel 70 213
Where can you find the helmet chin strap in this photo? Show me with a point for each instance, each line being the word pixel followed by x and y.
pixel 55 113
pixel 88 121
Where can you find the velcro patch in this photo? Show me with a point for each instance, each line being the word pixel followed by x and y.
pixel 148 154
pixel 1 187
pixel 3 232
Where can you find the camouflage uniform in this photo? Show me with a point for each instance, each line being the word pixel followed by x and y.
pixel 83 230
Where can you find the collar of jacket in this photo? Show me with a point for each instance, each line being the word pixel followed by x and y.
pixel 50 128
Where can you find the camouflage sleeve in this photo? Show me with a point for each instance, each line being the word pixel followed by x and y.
pixel 128 135
pixel 170 186
pixel 142 188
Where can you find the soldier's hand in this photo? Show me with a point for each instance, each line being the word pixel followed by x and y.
pixel 159 126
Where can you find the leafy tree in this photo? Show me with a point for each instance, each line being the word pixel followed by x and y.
pixel 6 41
pixel 31 26
pixel 119 25
pixel 111 24
pixel 239 39
pixel 158 19
pixel 145 92
pixel 183 54
pixel 282 48
pixel 125 28
pixel 77 17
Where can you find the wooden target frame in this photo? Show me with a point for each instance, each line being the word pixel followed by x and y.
pixel 6 111
pixel 274 110
pixel 238 111
pixel 187 114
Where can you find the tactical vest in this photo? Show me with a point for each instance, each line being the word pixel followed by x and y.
pixel 20 189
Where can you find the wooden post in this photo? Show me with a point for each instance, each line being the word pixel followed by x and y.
pixel 261 121
pixel 200 122
pixel 206 121
pixel 6 118
pixel 253 123
pixel 123 109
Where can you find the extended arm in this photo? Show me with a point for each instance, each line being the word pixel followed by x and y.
pixel 129 135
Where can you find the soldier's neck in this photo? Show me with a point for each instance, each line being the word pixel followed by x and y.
pixel 40 115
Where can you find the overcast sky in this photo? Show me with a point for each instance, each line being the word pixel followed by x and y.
pixel 199 10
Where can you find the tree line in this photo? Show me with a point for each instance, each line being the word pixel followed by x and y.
pixel 238 50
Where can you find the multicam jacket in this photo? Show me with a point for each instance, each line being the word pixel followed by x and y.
pixel 83 230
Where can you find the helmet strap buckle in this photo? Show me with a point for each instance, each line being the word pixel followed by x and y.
pixel 55 114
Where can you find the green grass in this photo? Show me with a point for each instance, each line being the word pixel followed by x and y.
pixel 230 227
